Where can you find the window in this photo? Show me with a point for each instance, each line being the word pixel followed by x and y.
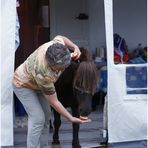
pixel 136 80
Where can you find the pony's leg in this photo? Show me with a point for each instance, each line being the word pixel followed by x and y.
pixel 75 141
pixel 50 123
pixel 57 124
pixel 50 126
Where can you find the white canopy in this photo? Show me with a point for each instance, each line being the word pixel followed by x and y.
pixel 127 113
pixel 7 21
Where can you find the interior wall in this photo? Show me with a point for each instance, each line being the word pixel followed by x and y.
pixel 130 21
pixel 96 24
pixel 64 20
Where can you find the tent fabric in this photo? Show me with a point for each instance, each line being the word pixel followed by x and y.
pixel 127 113
pixel 8 20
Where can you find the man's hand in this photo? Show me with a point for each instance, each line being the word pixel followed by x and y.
pixel 78 120
pixel 75 55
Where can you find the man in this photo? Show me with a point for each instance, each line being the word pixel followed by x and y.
pixel 34 86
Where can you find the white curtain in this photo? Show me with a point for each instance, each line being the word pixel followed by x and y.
pixel 127 114
pixel 8 23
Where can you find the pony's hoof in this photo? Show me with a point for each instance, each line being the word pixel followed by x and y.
pixel 56 146
pixel 56 142
pixel 76 146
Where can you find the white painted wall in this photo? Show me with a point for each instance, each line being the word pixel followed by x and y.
pixel 63 20
pixel 96 24
pixel 130 21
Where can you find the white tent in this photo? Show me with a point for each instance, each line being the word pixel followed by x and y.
pixel 127 116
pixel 7 21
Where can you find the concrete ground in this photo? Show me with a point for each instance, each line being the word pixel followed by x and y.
pixel 90 133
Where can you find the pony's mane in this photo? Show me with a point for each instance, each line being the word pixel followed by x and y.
pixel 86 75
pixel 85 55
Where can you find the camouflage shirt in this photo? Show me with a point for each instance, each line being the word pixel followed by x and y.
pixel 35 73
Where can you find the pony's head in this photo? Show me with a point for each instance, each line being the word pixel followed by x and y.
pixel 85 82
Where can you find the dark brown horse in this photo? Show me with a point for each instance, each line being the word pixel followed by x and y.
pixel 75 89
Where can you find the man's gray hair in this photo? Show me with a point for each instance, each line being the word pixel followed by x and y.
pixel 58 55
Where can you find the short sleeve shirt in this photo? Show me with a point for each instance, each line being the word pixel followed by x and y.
pixel 35 73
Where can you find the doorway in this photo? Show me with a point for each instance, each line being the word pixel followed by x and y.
pixel 35 30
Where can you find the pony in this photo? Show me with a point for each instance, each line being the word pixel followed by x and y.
pixel 75 88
